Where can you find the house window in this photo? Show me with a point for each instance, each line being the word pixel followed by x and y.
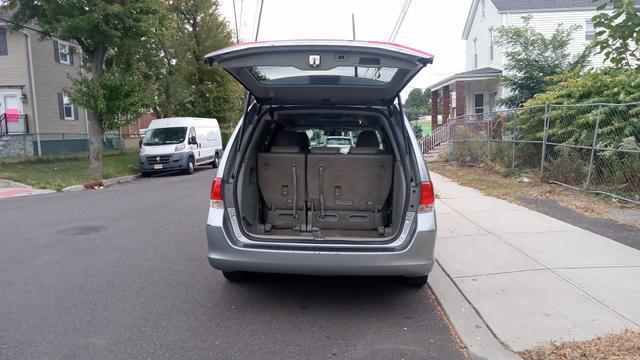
pixel 589 30
pixel 491 43
pixel 478 103
pixel 475 53
pixel 62 52
pixel 68 111
pixel 3 41
pixel 482 6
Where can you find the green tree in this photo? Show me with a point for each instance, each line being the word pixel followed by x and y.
pixel 575 125
pixel 533 59
pixel 173 63
pixel 418 103
pixel 417 129
pixel 618 33
pixel 208 91
pixel 101 29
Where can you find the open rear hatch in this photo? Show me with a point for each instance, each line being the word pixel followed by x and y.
pixel 322 72
pixel 289 189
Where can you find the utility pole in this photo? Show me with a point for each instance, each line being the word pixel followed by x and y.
pixel 235 20
pixel 246 93
pixel 353 25
pixel 353 30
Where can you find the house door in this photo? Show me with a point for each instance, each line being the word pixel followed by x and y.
pixel 478 104
pixel 10 110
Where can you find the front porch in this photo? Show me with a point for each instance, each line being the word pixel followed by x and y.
pixel 12 123
pixel 469 92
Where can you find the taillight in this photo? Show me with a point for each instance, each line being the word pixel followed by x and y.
pixel 427 197
pixel 216 194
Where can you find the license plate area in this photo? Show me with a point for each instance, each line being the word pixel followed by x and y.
pixel 157 166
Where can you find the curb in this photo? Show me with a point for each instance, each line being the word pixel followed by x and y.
pixel 119 180
pixel 8 183
pixel 475 334
pixel 105 182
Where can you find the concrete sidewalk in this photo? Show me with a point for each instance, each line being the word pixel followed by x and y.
pixel 10 188
pixel 530 277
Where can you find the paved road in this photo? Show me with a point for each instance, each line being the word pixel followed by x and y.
pixel 122 273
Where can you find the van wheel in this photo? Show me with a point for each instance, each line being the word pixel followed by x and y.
pixel 215 162
pixel 145 174
pixel 236 276
pixel 417 281
pixel 191 166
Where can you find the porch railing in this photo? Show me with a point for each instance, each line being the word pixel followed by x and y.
pixel 14 124
pixel 438 136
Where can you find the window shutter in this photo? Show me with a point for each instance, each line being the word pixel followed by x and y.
pixel 56 54
pixel 72 54
pixel 75 112
pixel 61 105
pixel 3 41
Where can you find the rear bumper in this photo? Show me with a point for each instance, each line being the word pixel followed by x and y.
pixel 414 259
pixel 177 161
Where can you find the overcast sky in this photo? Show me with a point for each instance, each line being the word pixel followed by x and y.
pixel 433 26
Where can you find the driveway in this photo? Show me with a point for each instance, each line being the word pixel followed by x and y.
pixel 122 273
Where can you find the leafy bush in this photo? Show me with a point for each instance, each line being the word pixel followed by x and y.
pixel 566 165
pixel 501 153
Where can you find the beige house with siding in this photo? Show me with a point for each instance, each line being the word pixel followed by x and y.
pixel 34 74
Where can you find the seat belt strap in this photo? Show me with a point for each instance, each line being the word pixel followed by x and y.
pixel 321 190
pixel 295 190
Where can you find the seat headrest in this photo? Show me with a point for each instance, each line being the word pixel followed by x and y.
pixel 325 150
pixel 364 150
pixel 368 138
pixel 285 149
pixel 292 138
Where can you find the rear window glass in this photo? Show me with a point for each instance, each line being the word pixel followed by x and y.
pixel 341 75
pixel 339 141
pixel 339 137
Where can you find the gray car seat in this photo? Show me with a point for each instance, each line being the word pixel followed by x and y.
pixel 349 191
pixel 281 177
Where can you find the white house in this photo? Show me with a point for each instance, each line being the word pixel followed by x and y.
pixel 476 90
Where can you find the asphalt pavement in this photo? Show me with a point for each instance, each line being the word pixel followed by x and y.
pixel 122 273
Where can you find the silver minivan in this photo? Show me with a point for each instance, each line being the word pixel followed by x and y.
pixel 280 205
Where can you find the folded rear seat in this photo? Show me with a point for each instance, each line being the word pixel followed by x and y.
pixel 281 177
pixel 349 191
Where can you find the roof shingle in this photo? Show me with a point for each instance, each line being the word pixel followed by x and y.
pixel 538 5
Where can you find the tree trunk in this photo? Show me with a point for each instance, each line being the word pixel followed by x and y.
pixel 96 130
pixel 96 134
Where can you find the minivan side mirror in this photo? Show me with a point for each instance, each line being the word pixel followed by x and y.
pixel 193 141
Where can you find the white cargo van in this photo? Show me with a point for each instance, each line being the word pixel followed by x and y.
pixel 180 144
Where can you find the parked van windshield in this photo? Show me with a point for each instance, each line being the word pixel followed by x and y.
pixel 164 136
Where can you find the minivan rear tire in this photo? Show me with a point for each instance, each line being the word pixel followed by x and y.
pixel 214 163
pixel 236 276
pixel 416 281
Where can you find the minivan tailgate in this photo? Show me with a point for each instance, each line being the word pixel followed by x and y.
pixel 308 72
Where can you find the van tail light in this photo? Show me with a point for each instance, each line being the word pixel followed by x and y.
pixel 216 194
pixel 427 197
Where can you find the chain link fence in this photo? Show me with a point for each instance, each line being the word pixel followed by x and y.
pixel 593 147
pixel 21 146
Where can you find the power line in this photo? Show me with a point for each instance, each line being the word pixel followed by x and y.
pixel 259 19
pixel 400 20
pixel 29 28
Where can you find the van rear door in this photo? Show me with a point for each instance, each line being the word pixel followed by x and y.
pixel 322 72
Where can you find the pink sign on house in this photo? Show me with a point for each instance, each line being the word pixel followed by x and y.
pixel 12 115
